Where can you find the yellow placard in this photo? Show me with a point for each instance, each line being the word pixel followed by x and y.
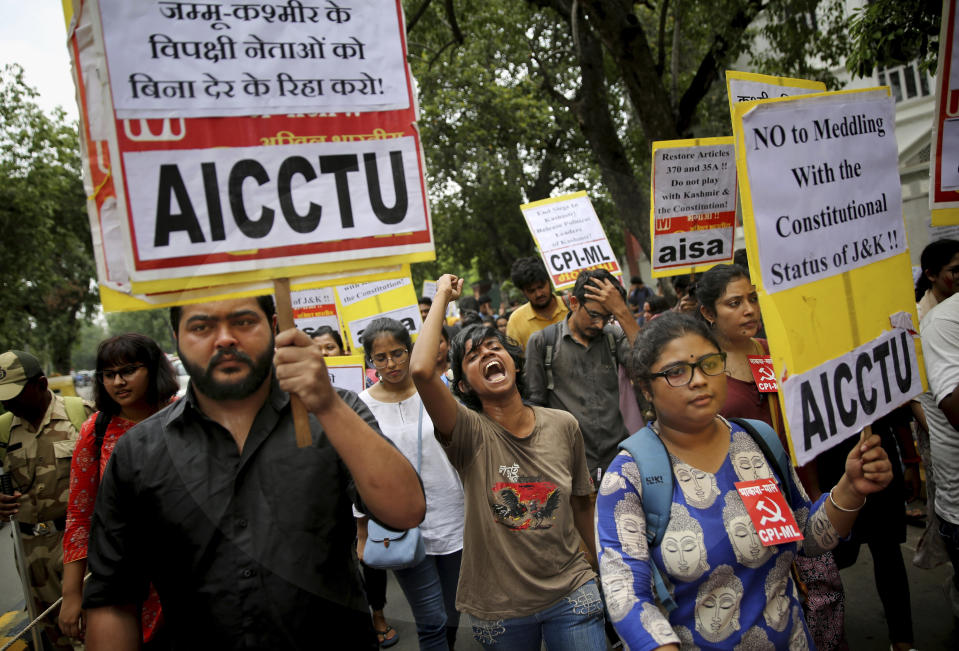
pixel 945 217
pixel 117 301
pixel 710 230
pixel 755 86
pixel 816 323
pixel 347 372
pixel 358 304
pixel 260 275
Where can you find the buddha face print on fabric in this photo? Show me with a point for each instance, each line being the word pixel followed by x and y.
pixel 699 487
pixel 747 458
pixel 755 639
pixel 617 585
pixel 631 527
pixel 742 534
pixel 717 604
pixel 776 611
pixel 655 623
pixel 684 547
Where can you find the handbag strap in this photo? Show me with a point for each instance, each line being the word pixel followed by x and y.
pixel 419 439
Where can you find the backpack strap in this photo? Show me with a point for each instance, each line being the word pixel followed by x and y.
pixel 76 410
pixel 611 343
pixel 768 441
pixel 6 420
pixel 651 457
pixel 549 345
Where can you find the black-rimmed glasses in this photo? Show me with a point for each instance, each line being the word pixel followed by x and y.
pixel 680 374
pixel 382 360
pixel 126 372
pixel 596 316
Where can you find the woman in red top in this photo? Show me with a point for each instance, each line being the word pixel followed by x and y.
pixel 134 380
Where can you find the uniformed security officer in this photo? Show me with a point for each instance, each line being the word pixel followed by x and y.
pixel 42 436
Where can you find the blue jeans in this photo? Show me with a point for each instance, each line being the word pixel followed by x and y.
pixel 574 623
pixel 430 589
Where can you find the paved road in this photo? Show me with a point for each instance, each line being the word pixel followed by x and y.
pixel 934 625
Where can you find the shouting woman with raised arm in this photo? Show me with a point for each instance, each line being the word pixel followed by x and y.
pixel 523 579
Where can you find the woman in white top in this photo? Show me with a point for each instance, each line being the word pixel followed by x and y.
pixel 430 587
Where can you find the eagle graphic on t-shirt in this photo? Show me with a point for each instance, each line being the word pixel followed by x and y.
pixel 525 505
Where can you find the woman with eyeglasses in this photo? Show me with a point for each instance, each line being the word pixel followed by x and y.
pixel 430 587
pixel 729 588
pixel 134 380
pixel 524 578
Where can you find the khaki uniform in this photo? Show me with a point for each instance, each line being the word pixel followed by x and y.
pixel 39 465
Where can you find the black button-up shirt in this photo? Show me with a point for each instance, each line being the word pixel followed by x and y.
pixel 250 550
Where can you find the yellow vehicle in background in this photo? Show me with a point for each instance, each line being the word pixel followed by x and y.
pixel 62 385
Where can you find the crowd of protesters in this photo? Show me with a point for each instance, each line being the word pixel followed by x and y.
pixel 198 522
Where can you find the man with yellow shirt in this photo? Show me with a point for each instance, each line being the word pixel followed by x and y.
pixel 543 308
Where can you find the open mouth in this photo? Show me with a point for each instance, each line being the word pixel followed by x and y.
pixel 494 371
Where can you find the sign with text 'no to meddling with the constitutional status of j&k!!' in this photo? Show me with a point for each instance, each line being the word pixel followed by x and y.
pixel 822 216
pixel 825 197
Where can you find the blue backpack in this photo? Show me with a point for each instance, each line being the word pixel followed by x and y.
pixel 651 457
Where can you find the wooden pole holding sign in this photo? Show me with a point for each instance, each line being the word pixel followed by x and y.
pixel 284 313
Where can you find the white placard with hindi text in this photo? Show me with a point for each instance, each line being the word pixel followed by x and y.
pixel 189 59
pixel 824 180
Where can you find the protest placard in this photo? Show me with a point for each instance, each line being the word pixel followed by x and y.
pixel 347 372
pixel 188 59
pixel 360 304
pixel 693 209
pixel 827 249
pixel 750 86
pixel 944 161
pixel 184 202
pixel 569 237
pixel 824 186
pixel 315 308
pixel 115 301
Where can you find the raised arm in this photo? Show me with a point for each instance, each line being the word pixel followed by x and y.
pixel 384 478
pixel 436 397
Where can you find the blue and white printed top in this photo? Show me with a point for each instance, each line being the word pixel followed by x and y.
pixel 731 591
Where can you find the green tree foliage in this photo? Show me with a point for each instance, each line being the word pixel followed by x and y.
pixel 887 33
pixel 493 137
pixel 46 256
pixel 152 323
pixel 570 94
pixel 85 347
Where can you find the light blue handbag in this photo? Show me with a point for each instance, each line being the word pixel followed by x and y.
pixel 387 549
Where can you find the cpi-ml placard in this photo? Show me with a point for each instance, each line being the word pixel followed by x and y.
pixel 693 211
pixel 569 237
